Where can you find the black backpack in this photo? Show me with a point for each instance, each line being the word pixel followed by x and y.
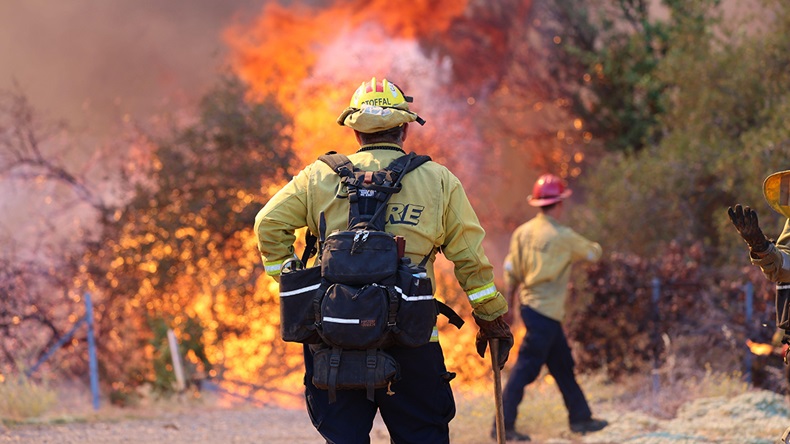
pixel 365 296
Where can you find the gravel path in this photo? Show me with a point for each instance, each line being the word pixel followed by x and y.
pixel 253 425
pixel 757 417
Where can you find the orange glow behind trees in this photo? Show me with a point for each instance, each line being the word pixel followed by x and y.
pixel 183 248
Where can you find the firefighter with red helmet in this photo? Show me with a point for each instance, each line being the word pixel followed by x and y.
pixel 773 258
pixel 537 271
pixel 431 212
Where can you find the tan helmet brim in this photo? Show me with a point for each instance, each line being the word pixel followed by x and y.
pixel 776 190
pixel 372 119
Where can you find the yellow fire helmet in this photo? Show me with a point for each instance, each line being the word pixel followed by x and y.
pixel 776 190
pixel 378 106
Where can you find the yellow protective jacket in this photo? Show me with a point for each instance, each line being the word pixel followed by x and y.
pixel 539 263
pixel 431 210
pixel 775 261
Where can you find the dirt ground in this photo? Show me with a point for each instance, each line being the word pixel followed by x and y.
pixel 756 417
pixel 249 425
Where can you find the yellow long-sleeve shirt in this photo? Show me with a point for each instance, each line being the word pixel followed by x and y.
pixel 540 257
pixel 431 210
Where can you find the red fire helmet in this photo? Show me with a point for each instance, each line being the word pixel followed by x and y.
pixel 548 189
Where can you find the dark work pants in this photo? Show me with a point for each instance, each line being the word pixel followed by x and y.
pixel 544 343
pixel 419 412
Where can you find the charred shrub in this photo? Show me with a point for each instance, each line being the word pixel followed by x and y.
pixel 629 314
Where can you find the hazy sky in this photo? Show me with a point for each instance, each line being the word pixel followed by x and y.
pixel 91 61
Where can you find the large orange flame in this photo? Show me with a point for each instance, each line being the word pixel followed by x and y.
pixel 310 61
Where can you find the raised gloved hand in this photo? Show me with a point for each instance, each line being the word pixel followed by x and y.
pixel 496 329
pixel 745 221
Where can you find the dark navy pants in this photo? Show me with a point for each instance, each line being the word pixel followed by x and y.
pixel 544 343
pixel 418 413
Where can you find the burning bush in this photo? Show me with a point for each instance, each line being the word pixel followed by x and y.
pixel 182 249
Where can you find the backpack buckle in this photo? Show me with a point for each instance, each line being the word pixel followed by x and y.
pixel 359 238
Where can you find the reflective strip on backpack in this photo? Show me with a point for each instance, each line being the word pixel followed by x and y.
pixel 782 286
pixel 340 320
pixel 483 293
pixel 413 298
pixel 285 294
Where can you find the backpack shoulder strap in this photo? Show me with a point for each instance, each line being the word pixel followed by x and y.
pixel 407 163
pixel 344 168
pixel 400 166
pixel 393 173
pixel 338 162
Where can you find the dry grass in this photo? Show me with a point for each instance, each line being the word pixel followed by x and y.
pixel 542 413
pixel 22 399
pixel 662 393
pixel 542 409
pixel 631 405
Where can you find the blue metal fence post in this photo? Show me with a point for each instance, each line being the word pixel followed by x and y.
pixel 748 289
pixel 92 364
pixel 657 335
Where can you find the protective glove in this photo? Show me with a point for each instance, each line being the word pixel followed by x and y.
pixel 745 221
pixel 496 329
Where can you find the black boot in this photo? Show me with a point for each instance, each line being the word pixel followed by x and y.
pixel 588 425
pixel 511 435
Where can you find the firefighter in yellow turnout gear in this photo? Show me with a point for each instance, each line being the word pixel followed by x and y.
pixel 773 258
pixel 431 212
pixel 537 269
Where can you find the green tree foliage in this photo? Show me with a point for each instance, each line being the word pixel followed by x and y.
pixel 582 81
pixel 190 344
pixel 605 61
pixel 597 61
pixel 180 249
pixel 662 209
pixel 723 132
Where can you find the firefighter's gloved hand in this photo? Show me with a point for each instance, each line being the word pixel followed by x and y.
pixel 496 329
pixel 745 221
